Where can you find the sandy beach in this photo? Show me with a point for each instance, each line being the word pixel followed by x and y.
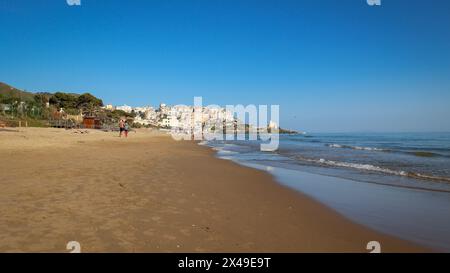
pixel 149 193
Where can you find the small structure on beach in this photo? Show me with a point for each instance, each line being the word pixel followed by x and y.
pixel 90 122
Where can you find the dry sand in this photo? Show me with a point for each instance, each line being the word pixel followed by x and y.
pixel 149 193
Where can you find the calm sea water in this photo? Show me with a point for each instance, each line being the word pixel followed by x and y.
pixel 397 183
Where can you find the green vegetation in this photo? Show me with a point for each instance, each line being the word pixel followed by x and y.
pixel 36 109
pixel 72 103
pixel 87 102
pixel 287 132
pixel 136 125
pixel 9 94
pixel 118 114
pixel 30 122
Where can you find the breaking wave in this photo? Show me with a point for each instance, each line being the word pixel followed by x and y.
pixel 356 147
pixel 361 148
pixel 373 168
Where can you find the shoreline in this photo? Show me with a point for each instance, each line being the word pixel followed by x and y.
pixel 398 220
pixel 112 195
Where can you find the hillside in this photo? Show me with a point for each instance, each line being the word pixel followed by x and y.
pixel 7 91
pixel 60 99
pixel 41 106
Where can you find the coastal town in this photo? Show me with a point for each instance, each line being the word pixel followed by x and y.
pixel 166 116
pixel 19 108
pixel 184 117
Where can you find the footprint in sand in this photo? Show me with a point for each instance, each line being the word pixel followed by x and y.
pixel 169 237
pixel 150 232
pixel 156 219
pixel 185 232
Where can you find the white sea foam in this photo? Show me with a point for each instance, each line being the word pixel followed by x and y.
pixel 367 167
pixel 334 146
pixel 224 153
pixel 373 168
pixel 227 152
pixel 354 147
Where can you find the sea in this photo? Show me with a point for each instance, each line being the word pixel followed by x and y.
pixel 395 183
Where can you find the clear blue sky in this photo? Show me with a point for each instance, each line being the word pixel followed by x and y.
pixel 331 65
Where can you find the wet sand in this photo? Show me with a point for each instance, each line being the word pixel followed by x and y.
pixel 149 193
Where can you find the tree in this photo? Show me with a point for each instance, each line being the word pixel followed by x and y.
pixel 88 102
pixel 64 100
pixel 41 99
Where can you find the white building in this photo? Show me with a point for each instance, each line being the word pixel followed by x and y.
pixel 125 108
pixel 109 107
pixel 273 125
pixel 183 117
pixel 165 123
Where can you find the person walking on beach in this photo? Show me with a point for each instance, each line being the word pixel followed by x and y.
pixel 121 127
pixel 126 128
